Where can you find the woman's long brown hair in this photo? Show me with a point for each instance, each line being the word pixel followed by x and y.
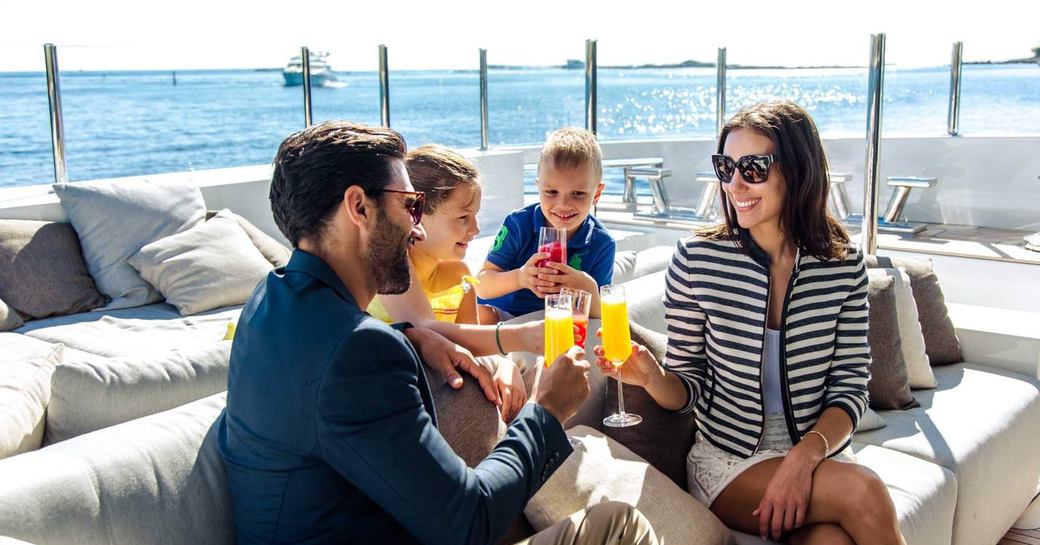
pixel 805 219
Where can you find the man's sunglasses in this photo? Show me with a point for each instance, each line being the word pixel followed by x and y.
pixel 754 168
pixel 414 205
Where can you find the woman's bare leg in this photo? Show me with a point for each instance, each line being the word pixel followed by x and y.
pixel 848 495
pixel 820 534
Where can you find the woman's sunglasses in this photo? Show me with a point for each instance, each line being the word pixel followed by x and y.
pixel 753 168
pixel 414 205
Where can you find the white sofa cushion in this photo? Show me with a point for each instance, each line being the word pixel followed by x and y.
pixel 601 469
pixel 924 494
pixel 214 264
pixel 153 329
pixel 645 306
pixel 114 219
pixel 155 480
pixel 653 259
pixel 981 423
pixel 26 366
pixel 89 392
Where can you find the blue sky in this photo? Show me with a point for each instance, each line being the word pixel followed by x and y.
pixel 121 34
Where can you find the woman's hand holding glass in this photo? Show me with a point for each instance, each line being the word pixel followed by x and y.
pixel 640 369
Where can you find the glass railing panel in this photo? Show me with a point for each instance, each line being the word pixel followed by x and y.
pixel 25 133
pixel 1000 99
pixel 917 87
pixel 527 99
pixel 646 99
pixel 351 91
pixel 131 111
pixel 435 96
pixel 653 99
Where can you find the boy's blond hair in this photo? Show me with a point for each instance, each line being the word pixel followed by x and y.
pixel 571 147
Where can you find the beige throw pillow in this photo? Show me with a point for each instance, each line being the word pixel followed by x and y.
pixel 211 265
pixel 42 272
pixel 601 469
pixel 115 218
pixel 26 366
pixel 918 366
pixel 889 386
pixel 940 337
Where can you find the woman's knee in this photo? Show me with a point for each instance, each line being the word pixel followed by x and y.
pixel 866 493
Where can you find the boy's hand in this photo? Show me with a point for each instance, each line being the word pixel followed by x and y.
pixel 533 277
pixel 568 277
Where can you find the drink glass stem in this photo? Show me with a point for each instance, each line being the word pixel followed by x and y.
pixel 620 398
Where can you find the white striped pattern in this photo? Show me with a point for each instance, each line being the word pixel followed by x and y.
pixel 715 306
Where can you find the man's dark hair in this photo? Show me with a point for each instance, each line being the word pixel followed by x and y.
pixel 315 166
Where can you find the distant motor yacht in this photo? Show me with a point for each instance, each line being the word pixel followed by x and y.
pixel 321 72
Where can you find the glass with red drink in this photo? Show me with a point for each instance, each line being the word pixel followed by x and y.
pixel 552 241
pixel 581 300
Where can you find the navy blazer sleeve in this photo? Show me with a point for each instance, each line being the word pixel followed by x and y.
pixel 374 429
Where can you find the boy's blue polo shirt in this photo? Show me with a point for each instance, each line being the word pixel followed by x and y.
pixel 590 250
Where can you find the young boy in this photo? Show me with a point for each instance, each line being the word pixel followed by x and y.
pixel 570 174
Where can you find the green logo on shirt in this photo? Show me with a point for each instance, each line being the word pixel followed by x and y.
pixel 500 239
pixel 575 261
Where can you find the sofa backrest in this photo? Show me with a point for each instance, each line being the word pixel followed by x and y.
pixel 155 480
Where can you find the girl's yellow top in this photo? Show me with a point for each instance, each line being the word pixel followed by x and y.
pixel 445 303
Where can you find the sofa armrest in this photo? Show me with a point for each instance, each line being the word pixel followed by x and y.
pixel 1006 339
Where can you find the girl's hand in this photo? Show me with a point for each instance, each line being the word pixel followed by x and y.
pixel 510 384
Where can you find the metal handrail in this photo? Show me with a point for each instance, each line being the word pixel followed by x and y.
pixel 50 59
pixel 720 92
pixel 591 99
pixel 384 88
pixel 484 133
pixel 875 100
pixel 953 115
pixel 305 62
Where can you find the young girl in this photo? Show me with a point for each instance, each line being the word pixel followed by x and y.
pixel 767 325
pixel 441 295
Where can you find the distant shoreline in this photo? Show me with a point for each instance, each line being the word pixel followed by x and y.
pixel 572 65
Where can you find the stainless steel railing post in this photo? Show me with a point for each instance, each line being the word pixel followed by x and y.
pixel 305 62
pixel 953 116
pixel 484 134
pixel 50 59
pixel 590 85
pixel 871 177
pixel 384 88
pixel 720 92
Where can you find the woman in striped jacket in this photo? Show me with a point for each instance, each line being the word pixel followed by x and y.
pixel 767 325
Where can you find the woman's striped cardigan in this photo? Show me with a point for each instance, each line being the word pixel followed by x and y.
pixel 715 306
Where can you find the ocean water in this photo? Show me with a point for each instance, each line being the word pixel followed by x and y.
pixel 130 123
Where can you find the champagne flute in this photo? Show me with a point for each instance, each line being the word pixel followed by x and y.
pixel 559 326
pixel 617 346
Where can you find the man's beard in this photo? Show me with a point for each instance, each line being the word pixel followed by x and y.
pixel 387 259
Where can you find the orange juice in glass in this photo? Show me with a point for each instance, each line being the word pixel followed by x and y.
pixel 559 326
pixel 617 346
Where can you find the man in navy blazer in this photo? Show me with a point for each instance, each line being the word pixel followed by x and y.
pixel 330 434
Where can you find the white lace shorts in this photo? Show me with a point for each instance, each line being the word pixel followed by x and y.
pixel 709 469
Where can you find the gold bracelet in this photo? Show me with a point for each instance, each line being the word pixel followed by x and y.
pixel 826 443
